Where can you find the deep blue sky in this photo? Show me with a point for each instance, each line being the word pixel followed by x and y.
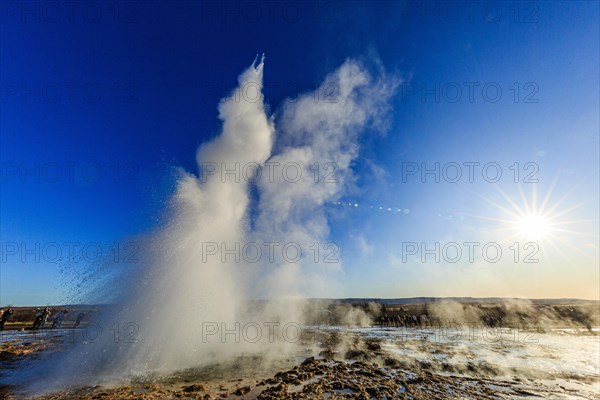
pixel 161 67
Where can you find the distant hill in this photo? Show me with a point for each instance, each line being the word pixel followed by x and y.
pixel 360 300
pixel 481 300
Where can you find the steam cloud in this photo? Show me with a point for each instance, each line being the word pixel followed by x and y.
pixel 176 291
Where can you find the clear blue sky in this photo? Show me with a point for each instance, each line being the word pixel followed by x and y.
pixel 132 92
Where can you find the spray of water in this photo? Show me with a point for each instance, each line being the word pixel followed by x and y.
pixel 177 293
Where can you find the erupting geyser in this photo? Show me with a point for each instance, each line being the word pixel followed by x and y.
pixel 178 292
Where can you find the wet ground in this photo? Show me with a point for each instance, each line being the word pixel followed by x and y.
pixel 362 363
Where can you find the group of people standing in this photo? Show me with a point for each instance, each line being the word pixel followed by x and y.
pixel 41 318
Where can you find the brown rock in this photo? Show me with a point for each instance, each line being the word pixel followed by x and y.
pixel 242 391
pixel 194 388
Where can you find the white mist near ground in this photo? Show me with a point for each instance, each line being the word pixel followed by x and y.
pixel 178 294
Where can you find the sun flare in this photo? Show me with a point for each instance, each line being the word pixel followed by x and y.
pixel 524 219
pixel 533 226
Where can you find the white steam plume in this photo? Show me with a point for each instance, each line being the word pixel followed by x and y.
pixel 318 131
pixel 178 289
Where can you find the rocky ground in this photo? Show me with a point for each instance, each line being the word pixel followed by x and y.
pixel 363 370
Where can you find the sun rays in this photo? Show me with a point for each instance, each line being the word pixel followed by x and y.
pixel 525 218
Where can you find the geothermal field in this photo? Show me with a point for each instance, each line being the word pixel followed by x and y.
pixel 323 199
pixel 345 350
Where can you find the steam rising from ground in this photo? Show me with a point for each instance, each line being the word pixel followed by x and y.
pixel 170 300
pixel 512 313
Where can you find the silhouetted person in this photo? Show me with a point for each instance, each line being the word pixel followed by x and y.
pixel 40 318
pixel 37 320
pixel 45 314
pixel 5 316
pixel 79 319
pixel 58 318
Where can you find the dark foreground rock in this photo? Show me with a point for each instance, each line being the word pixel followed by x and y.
pixel 326 379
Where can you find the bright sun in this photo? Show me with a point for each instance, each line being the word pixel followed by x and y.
pixel 533 226
pixel 532 221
